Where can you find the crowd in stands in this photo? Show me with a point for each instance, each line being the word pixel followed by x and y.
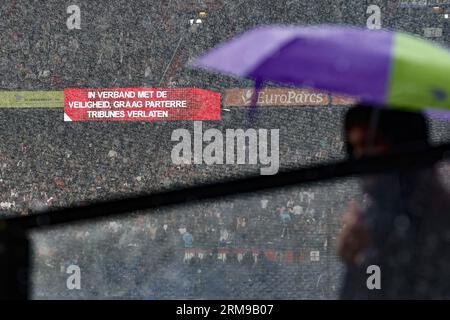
pixel 279 244
pixel 180 252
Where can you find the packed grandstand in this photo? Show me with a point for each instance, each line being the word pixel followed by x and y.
pixel 276 244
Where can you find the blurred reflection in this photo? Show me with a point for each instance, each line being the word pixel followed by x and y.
pixel 235 248
pixel 405 230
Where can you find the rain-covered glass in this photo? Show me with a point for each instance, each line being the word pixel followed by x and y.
pixel 274 244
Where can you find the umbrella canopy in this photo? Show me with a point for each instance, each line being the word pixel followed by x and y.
pixel 380 67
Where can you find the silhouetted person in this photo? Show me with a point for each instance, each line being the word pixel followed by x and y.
pixel 405 230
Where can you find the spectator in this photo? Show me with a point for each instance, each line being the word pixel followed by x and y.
pixel 188 239
pixel 285 222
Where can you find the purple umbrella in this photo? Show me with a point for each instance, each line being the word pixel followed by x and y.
pixel 380 67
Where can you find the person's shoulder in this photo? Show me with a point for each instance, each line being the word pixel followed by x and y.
pixel 438 214
pixel 442 204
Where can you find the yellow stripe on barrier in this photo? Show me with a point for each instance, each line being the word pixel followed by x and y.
pixel 31 99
